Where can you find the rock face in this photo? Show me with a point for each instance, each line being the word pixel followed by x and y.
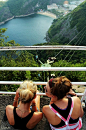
pixel 42 125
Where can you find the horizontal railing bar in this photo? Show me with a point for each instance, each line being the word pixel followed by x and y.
pixel 43 68
pixel 37 83
pixel 18 82
pixel 13 93
pixel 47 47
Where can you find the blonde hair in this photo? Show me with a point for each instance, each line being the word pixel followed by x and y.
pixel 27 91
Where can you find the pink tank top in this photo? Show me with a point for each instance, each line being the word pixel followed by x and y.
pixel 67 126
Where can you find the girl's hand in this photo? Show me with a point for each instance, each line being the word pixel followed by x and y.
pixel 17 94
pixel 15 102
pixel 72 93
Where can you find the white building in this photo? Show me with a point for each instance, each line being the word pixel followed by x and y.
pixel 65 13
pixel 72 7
pixel 66 4
pixel 73 2
pixel 79 2
pixel 76 2
pixel 52 6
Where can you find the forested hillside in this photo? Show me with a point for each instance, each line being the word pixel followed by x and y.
pixel 28 59
pixel 12 8
pixel 15 8
pixel 64 29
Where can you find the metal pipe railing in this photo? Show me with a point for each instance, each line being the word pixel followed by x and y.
pixel 13 93
pixel 37 83
pixel 19 82
pixel 42 68
pixel 47 47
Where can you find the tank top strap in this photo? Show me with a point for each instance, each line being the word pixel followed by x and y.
pixel 72 104
pixel 57 113
pixel 14 112
pixel 20 123
pixel 60 116
pixel 28 117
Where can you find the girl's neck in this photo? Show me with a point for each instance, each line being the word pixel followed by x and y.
pixel 25 106
pixel 62 103
pixel 55 100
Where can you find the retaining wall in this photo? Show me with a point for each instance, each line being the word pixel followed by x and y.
pixel 42 125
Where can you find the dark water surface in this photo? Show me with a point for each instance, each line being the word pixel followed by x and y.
pixel 28 30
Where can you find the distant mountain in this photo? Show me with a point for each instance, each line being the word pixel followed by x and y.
pixel 63 30
pixel 13 8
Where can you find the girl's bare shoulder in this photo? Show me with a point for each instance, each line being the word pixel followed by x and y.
pixel 9 108
pixel 76 99
pixel 45 109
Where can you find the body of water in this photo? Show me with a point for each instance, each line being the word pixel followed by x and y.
pixel 28 30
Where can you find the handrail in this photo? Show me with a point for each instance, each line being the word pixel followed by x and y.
pixel 37 83
pixel 43 68
pixel 47 47
pixel 13 93
pixel 19 82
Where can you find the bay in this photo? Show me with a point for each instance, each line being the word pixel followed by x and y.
pixel 28 30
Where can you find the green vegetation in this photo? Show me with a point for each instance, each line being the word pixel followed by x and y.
pixel 64 29
pixel 14 59
pixel 55 27
pixel 79 16
pixel 10 8
pixel 58 14
pixel 22 7
pixel 61 32
pixel 27 59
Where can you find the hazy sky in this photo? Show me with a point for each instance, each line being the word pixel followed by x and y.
pixel 3 0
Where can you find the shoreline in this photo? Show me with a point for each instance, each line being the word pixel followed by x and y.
pixel 47 13
pixel 6 20
pixel 20 16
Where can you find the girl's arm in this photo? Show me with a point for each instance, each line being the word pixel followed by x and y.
pixel 36 103
pixel 15 102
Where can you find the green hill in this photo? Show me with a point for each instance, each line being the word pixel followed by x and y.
pixel 64 29
pixel 12 8
pixel 15 8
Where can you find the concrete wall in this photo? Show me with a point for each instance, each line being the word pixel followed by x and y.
pixel 42 125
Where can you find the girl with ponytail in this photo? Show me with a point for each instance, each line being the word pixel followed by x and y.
pixel 63 112
pixel 27 114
